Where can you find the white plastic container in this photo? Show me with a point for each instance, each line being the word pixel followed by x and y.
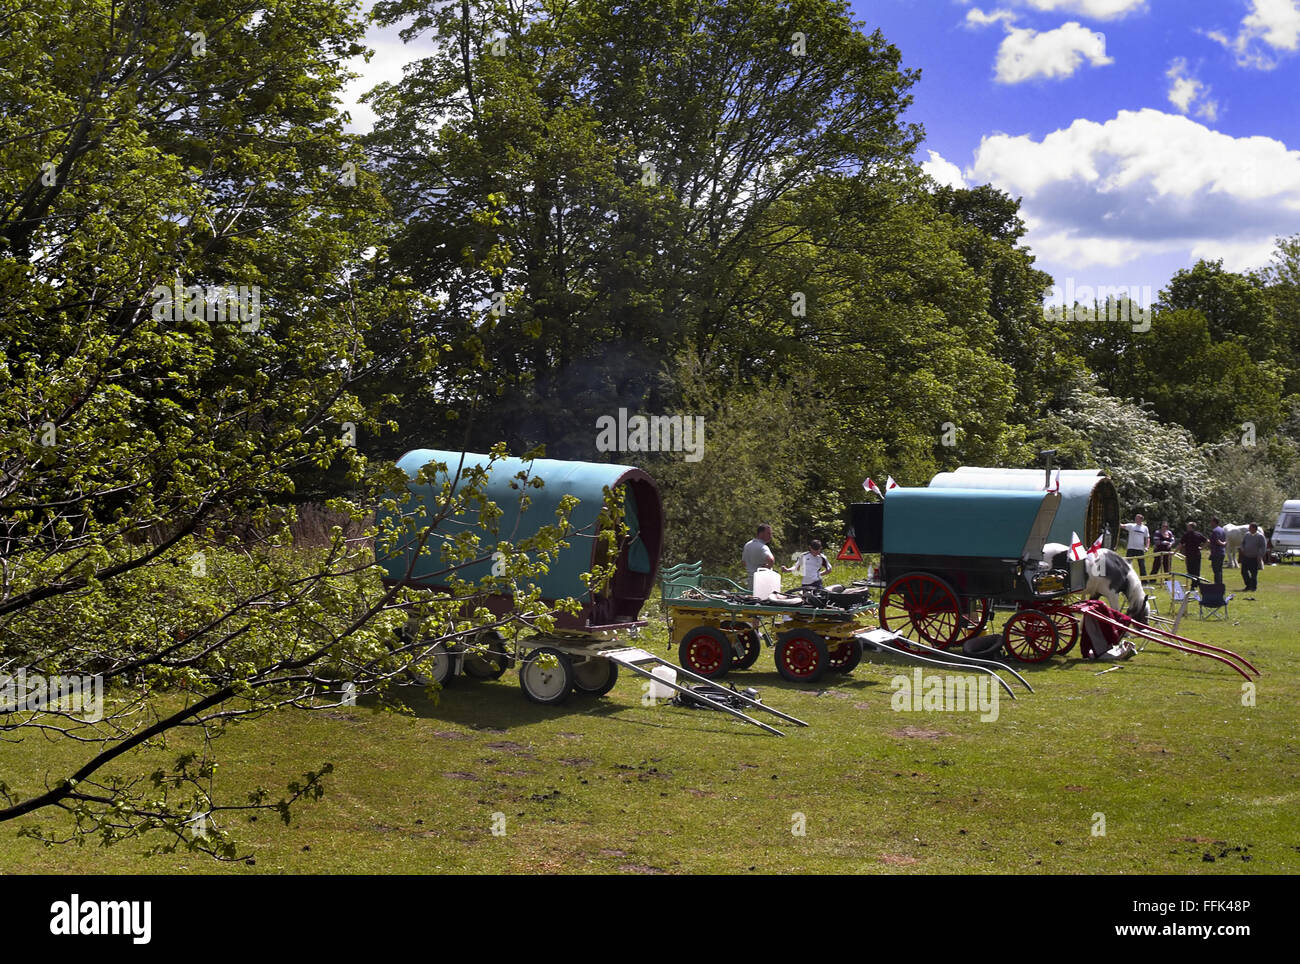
pixel 766 582
pixel 657 690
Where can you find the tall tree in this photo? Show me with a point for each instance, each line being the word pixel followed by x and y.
pixel 600 175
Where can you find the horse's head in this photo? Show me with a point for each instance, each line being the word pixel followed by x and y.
pixel 1140 608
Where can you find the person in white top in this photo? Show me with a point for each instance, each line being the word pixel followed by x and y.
pixel 813 563
pixel 1139 537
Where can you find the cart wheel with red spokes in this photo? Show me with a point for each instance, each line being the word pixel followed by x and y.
pixel 706 651
pixel 801 656
pixel 1030 636
pixel 1067 630
pixel 745 644
pixel 922 608
pixel 844 655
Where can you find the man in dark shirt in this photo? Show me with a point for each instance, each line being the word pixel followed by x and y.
pixel 1218 550
pixel 1253 548
pixel 1191 544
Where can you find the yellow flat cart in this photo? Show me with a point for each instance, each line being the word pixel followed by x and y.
pixel 717 625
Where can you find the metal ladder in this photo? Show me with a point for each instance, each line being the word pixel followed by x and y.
pixel 632 658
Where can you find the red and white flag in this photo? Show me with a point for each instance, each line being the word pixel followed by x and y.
pixel 872 487
pixel 1056 486
pixel 890 483
pixel 1096 546
pixel 1076 547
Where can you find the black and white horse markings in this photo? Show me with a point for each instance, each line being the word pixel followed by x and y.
pixel 1109 576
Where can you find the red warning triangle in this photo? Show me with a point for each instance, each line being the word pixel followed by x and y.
pixel 849 551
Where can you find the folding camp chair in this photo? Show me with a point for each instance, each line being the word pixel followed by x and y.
pixel 1179 597
pixel 1214 598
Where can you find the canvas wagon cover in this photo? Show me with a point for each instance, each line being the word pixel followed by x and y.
pixel 1089 503
pixel 989 523
pixel 585 480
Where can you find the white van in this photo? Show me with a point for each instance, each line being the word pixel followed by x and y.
pixel 1286 534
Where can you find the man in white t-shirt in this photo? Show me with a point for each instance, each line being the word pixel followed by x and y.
pixel 1139 537
pixel 756 554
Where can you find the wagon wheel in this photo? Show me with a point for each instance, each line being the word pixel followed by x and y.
pixel 845 654
pixel 548 681
pixel 1030 636
pixel 1067 630
pixel 974 617
pixel 706 652
pixel 440 665
pixel 801 656
pixel 923 608
pixel 595 676
pixel 746 647
pixel 487 658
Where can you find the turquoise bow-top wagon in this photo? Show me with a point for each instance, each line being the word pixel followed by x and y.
pixel 420 559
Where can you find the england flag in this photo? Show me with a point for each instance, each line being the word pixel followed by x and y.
pixel 1076 547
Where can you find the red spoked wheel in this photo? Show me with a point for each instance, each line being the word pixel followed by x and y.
pixel 974 617
pixel 706 651
pixel 844 655
pixel 745 644
pixel 1030 636
pixel 922 608
pixel 1067 629
pixel 801 656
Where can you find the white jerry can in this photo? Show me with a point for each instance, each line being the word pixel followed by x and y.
pixel 766 582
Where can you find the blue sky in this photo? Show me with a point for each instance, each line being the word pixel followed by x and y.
pixel 1141 134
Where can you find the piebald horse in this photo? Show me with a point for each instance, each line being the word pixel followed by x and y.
pixel 1109 575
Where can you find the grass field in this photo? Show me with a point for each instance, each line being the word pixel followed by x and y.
pixel 1186 777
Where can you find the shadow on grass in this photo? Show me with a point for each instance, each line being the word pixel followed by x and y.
pixel 499 706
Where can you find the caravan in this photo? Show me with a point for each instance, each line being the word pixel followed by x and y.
pixel 1286 533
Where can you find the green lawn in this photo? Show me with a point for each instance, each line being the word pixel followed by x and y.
pixel 1188 779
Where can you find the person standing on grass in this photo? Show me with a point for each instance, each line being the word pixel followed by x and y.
pixel 756 554
pixel 1254 547
pixel 1138 537
pixel 1218 550
pixel 1163 543
pixel 813 563
pixel 1191 544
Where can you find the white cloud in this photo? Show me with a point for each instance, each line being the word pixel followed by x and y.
pixel 391 56
pixel 1096 9
pixel 1093 9
pixel 1026 54
pixel 943 171
pixel 1187 92
pixel 1145 182
pixel 1236 255
pixel 975 17
pixel 1271 27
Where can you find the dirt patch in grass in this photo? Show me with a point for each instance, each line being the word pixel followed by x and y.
pixel 450 735
pixel 640 869
pixel 456 775
pixel 898 860
pixel 918 733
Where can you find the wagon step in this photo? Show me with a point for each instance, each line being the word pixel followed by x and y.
pixel 632 658
pixel 891 642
